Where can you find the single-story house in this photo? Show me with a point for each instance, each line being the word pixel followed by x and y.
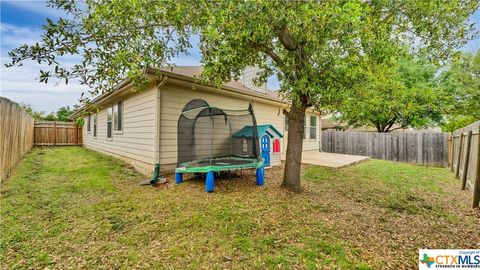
pixel 141 127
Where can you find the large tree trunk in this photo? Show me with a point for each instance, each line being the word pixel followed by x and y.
pixel 385 127
pixel 291 175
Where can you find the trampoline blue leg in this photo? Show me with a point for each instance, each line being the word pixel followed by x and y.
pixel 178 178
pixel 210 183
pixel 260 175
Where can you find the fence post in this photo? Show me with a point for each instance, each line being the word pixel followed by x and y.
pixel 467 160
pixel 459 157
pixel 76 135
pixel 451 148
pixel 476 185
pixel 420 159
pixel 54 133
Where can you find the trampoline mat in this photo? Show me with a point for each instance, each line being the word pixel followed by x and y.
pixel 225 162
pixel 219 164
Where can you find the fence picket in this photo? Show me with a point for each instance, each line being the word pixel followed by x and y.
pixel 476 185
pixel 57 133
pixel 411 147
pixel 466 148
pixel 16 135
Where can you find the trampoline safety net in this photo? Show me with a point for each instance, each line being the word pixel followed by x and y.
pixel 216 138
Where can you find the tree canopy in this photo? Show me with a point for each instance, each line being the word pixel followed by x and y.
pixel 460 84
pixel 312 46
pixel 316 48
pixel 401 96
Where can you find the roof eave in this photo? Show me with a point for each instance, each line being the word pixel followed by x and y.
pixel 224 87
pixel 123 85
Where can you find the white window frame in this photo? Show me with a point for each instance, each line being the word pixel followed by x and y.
pixel 310 128
pixel 89 123
pixel 109 122
pixel 95 125
pixel 118 115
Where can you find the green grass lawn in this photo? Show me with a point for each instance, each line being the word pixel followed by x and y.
pixel 69 207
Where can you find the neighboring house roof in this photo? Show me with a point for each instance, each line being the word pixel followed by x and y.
pixel 247 131
pixel 188 73
pixel 329 123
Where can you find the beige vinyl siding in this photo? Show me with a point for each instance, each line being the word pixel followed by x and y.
pixel 249 74
pixel 174 98
pixel 135 143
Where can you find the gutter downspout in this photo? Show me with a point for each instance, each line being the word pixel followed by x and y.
pixel 156 171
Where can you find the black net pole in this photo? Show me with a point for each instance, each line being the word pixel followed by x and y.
pixel 212 134
pixel 255 145
pixel 230 136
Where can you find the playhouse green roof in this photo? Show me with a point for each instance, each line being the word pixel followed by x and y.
pixel 247 131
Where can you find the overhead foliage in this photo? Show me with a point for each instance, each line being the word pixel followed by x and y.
pixel 316 48
pixel 311 45
pixel 461 84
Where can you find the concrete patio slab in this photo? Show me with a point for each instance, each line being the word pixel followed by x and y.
pixel 330 160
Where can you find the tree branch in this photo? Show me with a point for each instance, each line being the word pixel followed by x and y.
pixel 397 128
pixel 286 39
pixel 268 51
pixel 390 124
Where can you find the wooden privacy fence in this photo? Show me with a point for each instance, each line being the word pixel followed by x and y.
pixel 425 148
pixel 465 158
pixel 57 133
pixel 16 135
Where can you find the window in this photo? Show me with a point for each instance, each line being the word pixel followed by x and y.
pixel 88 122
pixel 244 145
pixel 95 125
pixel 109 122
pixel 286 123
pixel 313 127
pixel 117 116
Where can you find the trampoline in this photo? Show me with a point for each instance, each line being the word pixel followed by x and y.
pixel 206 143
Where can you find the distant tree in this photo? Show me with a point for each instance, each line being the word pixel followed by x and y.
pixel 37 115
pixel 460 84
pixel 50 117
pixel 63 113
pixel 401 96
pixel 317 48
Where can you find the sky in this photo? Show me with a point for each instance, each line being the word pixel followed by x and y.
pixel 21 22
